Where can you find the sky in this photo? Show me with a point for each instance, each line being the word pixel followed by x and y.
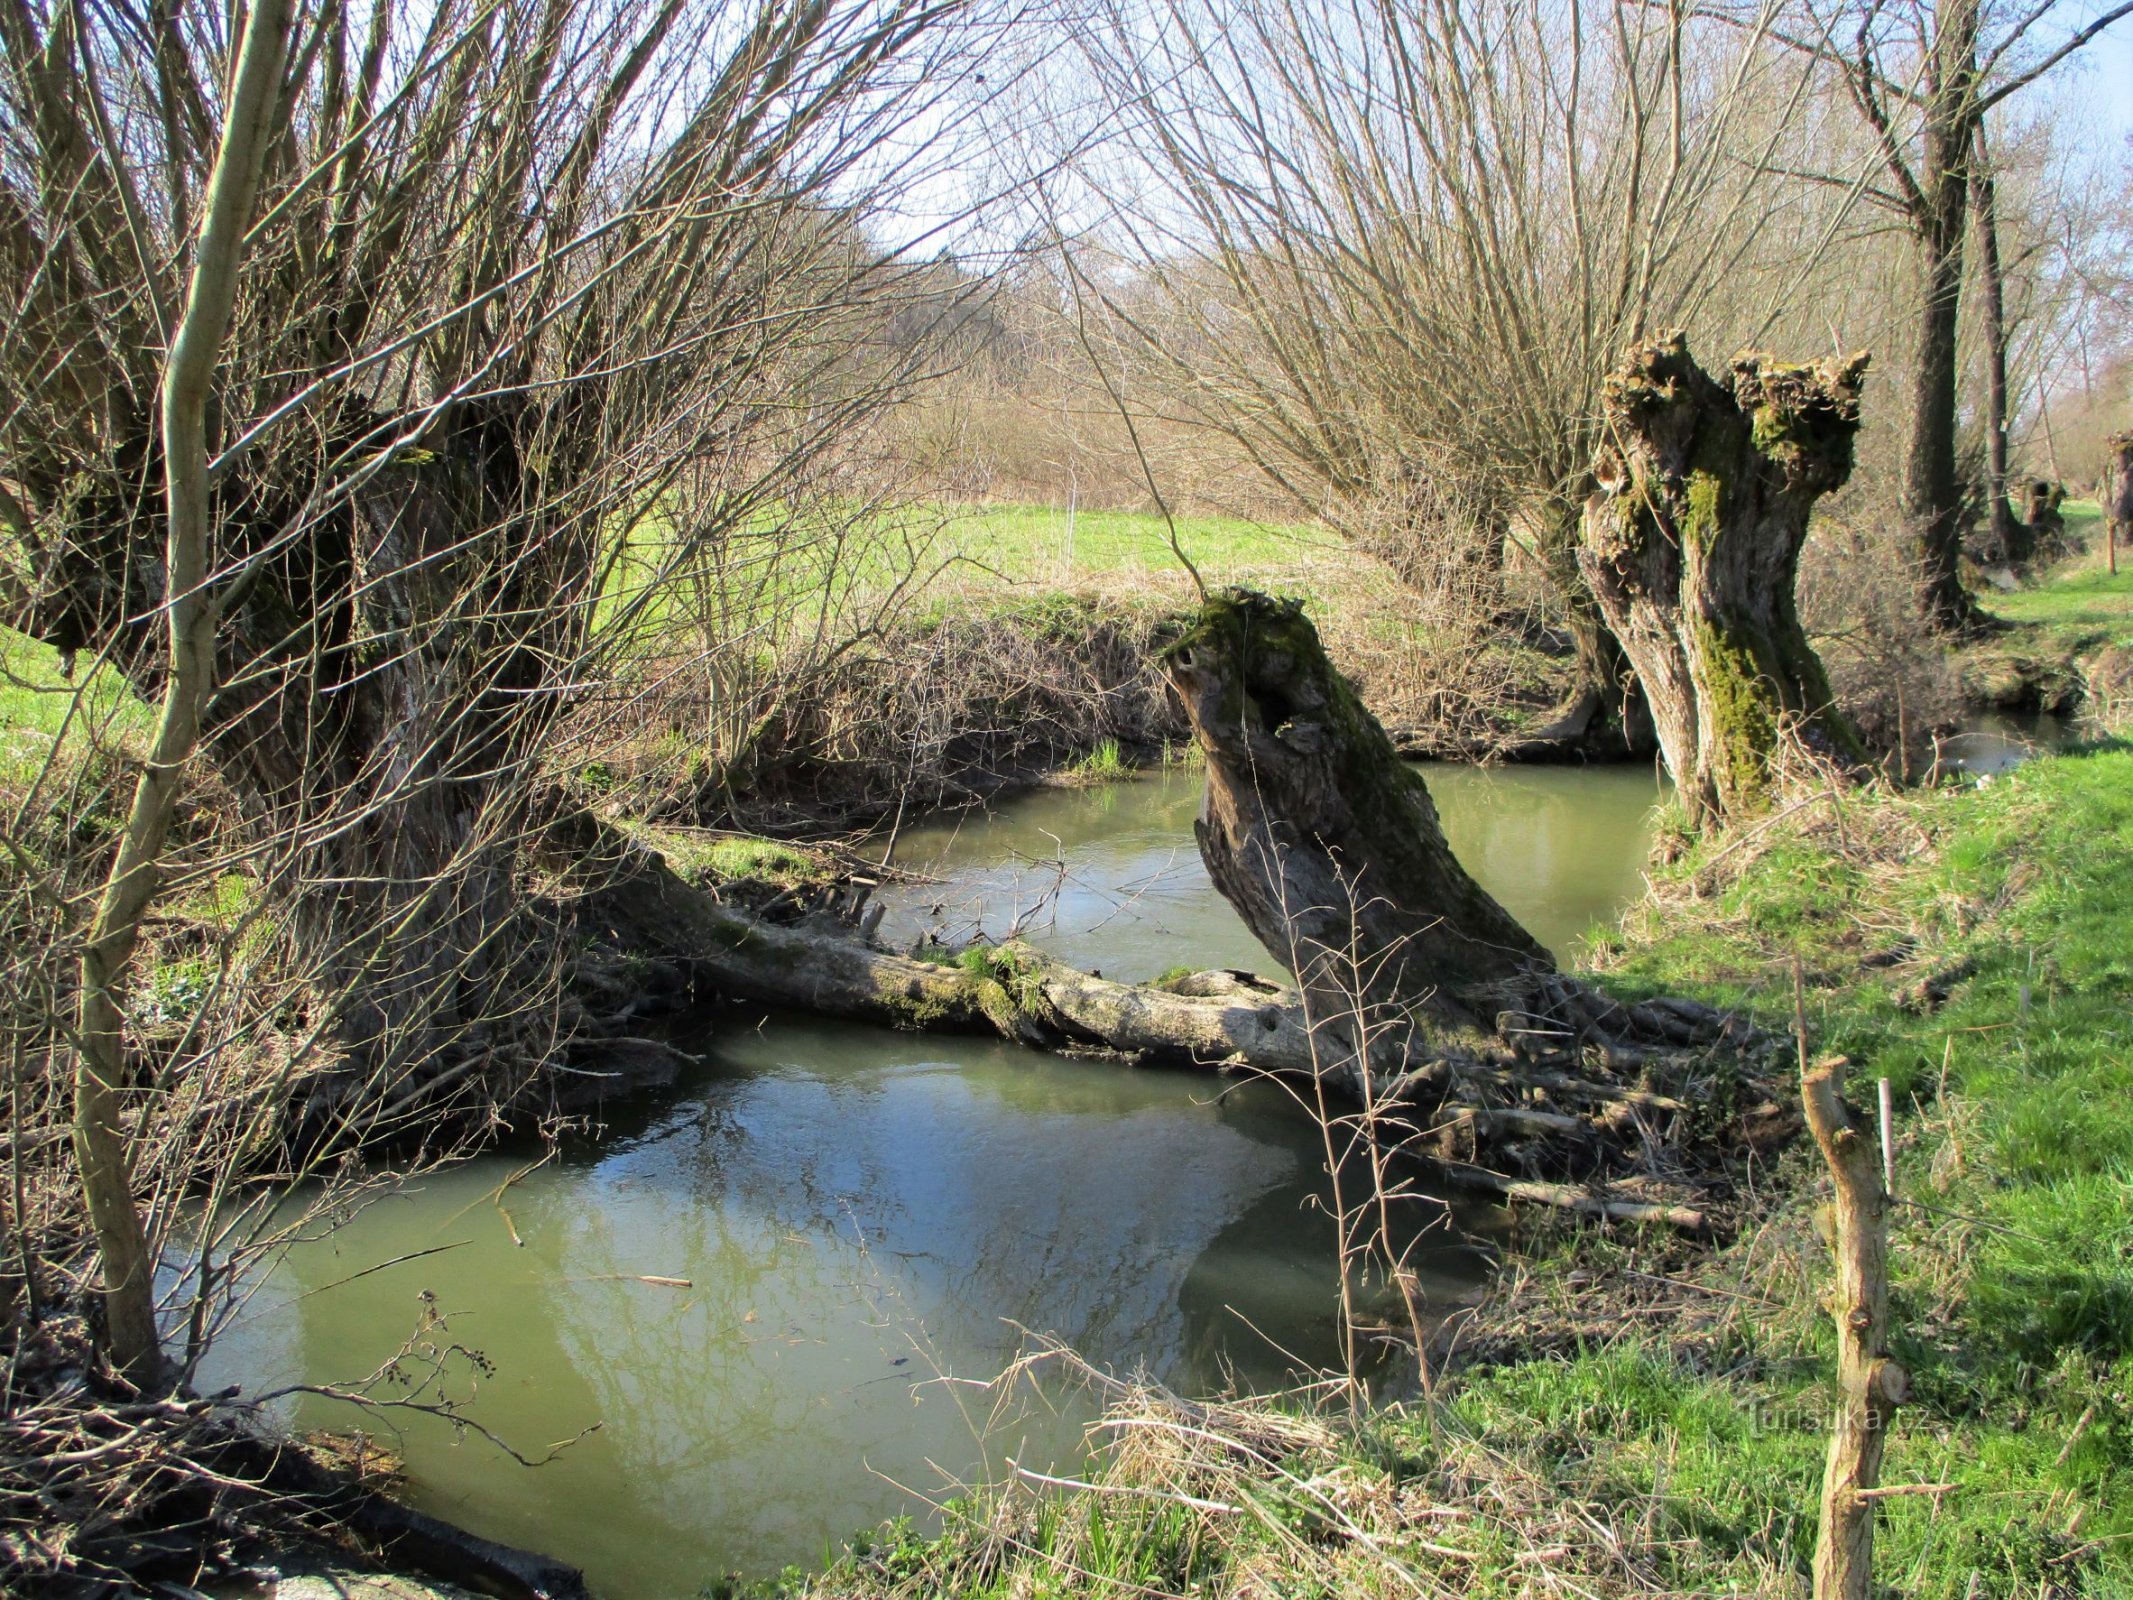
pixel 2105 79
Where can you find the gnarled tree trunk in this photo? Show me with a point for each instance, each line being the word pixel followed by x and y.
pixel 387 674
pixel 1544 1098
pixel 1329 848
pixel 2118 496
pixel 1328 844
pixel 1692 545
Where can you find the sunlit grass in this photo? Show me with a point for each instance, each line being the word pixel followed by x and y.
pixel 1022 542
pixel 43 707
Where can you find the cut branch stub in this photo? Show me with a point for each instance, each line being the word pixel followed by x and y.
pixel 1692 545
pixel 1328 844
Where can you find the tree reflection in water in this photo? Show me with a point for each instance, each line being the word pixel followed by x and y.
pixel 859 1214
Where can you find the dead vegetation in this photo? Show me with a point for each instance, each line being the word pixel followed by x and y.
pixel 1251 1497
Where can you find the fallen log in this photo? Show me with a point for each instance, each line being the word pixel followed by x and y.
pixel 1565 1197
pixel 1558 1111
pixel 1216 1020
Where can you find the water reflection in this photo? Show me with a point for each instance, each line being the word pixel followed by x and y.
pixel 859 1215
pixel 1110 877
pixel 1992 742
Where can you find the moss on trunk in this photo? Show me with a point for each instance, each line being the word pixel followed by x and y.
pixel 1325 841
pixel 1692 546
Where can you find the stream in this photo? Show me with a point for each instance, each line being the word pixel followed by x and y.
pixel 779 1290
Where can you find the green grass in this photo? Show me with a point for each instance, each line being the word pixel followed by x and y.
pixel 41 707
pixel 2078 595
pixel 1025 542
pixel 2014 1294
pixel 2070 634
pixel 2083 598
pixel 706 856
pixel 1104 764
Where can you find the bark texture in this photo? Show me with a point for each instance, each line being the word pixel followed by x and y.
pixel 2118 496
pixel 1936 202
pixel 2006 538
pixel 1328 844
pixel 1870 1385
pixel 1692 545
pixel 1329 847
pixel 385 680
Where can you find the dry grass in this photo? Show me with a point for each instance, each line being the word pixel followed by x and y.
pixel 1286 1495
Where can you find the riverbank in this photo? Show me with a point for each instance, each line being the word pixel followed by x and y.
pixel 1628 1414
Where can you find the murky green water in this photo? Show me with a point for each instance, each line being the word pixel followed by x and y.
pixel 1993 742
pixel 1110 877
pixel 862 1224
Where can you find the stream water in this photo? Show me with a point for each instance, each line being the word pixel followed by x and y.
pixel 777 1291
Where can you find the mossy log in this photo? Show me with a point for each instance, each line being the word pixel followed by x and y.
pixel 818 965
pixel 1692 547
pixel 1546 1099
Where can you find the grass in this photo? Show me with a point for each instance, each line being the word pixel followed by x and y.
pixel 1026 542
pixel 1649 1416
pixel 41 706
pixel 2081 598
pixel 711 857
pixel 2071 635
pixel 1104 764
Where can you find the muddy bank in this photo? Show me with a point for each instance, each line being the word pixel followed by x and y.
pixel 988 695
pixel 2042 670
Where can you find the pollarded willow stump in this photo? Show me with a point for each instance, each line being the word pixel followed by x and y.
pixel 1329 847
pixel 1328 844
pixel 1692 547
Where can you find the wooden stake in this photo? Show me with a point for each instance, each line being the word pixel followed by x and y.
pixel 1888 1136
pixel 1871 1385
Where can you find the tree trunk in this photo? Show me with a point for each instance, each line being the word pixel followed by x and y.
pixel 1328 844
pixel 1932 496
pixel 1870 1385
pixel 132 1339
pixel 1692 545
pixel 1937 203
pixel 2118 496
pixel 388 675
pixel 2043 528
pixel 1602 667
pixel 1329 848
pixel 404 804
pixel 2008 536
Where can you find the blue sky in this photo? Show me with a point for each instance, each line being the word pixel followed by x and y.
pixel 2105 79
